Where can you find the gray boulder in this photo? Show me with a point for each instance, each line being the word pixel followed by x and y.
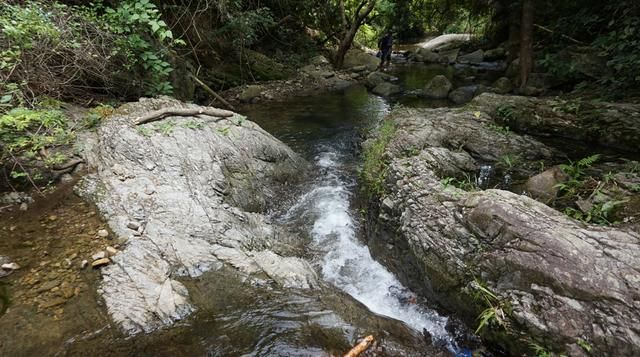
pixel 473 57
pixel 437 88
pixel 194 187
pixel 251 92
pixel 375 78
pixel 428 56
pixel 463 95
pixel 386 89
pixel 614 125
pixel 558 281
pixel 502 85
pixel 544 186
pixel 495 54
pixel 449 56
pixel 355 58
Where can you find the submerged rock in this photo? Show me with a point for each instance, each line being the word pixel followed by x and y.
pixel 386 89
pixel 210 177
pixel 558 280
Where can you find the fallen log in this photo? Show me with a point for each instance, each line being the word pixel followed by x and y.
pixel 360 347
pixel 182 112
pixel 71 164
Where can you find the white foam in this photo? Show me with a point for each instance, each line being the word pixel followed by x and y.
pixel 347 263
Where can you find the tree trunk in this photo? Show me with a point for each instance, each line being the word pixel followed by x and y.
pixel 347 40
pixel 526 42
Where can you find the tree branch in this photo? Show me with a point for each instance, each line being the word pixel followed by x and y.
pixel 182 112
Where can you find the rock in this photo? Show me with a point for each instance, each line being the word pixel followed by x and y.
pixel 473 57
pixel 428 56
pixel 359 69
pixel 319 61
pixel 513 71
pixel 24 206
pixel 449 56
pixel 444 42
pixel 66 178
pixel 187 229
pixel 530 91
pixel 53 302
pixel 563 280
pixel 437 88
pixel 356 58
pixel 613 125
pixel 502 85
pixel 375 78
pixel 48 286
pixel 133 225
pixel 100 262
pixel 328 74
pixel 99 255
pixel 463 95
pixel 543 186
pixel 10 266
pixel 495 54
pixel 84 264
pixel 53 217
pixel 250 92
pixel 386 89
pixel 289 272
pixel 103 233
pixel 111 251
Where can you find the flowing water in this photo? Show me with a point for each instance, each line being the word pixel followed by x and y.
pixel 324 208
pixel 240 319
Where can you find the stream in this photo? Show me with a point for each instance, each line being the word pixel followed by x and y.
pixel 240 319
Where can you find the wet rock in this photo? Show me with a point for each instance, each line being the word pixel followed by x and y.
pixel 375 78
pixel 100 262
pixel 187 229
pixel 495 54
pixel 386 89
pixel 445 42
pixel 10 266
pixel 48 286
pixel 111 251
pixel 289 272
pixel 544 186
pixel 437 88
pixel 250 92
pixel 103 233
pixel 563 280
pixel 473 57
pixel 99 255
pixel 53 303
pixel 502 85
pixel 463 95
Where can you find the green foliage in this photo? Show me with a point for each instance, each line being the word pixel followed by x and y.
pixel 506 112
pixel 499 129
pixel 494 315
pixel 558 67
pixel 165 127
pixel 508 161
pixel 193 124
pixel 27 130
pixel 374 167
pixel 584 345
pixel 97 115
pixel 144 39
pixel 539 350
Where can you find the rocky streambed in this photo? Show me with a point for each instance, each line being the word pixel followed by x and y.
pixel 536 276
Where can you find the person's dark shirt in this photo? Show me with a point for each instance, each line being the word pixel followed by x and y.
pixel 386 42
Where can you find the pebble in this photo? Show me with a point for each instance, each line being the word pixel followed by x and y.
pixel 99 255
pixel 100 262
pixel 84 264
pixel 10 266
pixel 49 285
pixel 24 206
pixel 66 178
pixel 52 303
pixel 103 233
pixel 53 217
pixel 111 251
pixel 133 225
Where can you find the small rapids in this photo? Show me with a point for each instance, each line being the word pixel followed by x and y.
pixel 344 261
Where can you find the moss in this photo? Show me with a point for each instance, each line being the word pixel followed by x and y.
pixel 374 167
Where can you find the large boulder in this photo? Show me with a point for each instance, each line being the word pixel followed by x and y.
pixel 495 54
pixel 445 42
pixel 559 282
pixel 184 195
pixel 437 88
pixel 386 89
pixel 375 78
pixel 251 92
pixel 502 85
pixel 428 56
pixel 614 125
pixel 473 57
pixel 463 95
pixel 355 57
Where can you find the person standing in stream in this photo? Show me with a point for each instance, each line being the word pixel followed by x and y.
pixel 385 44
